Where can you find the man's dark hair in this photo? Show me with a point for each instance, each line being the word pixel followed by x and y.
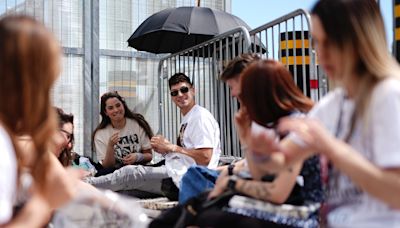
pixel 237 65
pixel 178 77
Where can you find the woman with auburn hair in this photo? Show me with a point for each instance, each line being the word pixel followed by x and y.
pixel 268 94
pixel 356 126
pixel 29 65
pixel 122 137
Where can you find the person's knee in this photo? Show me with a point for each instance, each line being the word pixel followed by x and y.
pixel 126 170
pixel 130 172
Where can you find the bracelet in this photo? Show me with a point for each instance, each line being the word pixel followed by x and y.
pixel 139 157
pixel 268 178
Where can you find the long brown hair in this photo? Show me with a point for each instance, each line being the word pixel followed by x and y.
pixel 268 92
pixel 29 65
pixel 105 120
pixel 356 28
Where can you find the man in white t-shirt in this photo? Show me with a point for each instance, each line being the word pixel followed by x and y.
pixel 198 143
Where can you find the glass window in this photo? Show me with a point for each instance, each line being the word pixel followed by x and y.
pixel 68 95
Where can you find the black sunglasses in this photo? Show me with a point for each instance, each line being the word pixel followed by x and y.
pixel 183 90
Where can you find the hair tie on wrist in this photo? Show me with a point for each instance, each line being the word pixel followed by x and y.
pixel 139 157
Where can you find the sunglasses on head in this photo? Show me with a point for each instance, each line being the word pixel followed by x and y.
pixel 183 90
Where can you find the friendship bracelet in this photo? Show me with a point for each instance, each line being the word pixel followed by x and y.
pixel 230 169
pixel 139 157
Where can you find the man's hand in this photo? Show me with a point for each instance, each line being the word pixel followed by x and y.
pixel 161 144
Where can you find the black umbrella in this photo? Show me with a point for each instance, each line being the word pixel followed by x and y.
pixel 175 29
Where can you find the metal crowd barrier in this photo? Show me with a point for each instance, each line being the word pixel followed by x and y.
pixel 203 64
pixel 396 29
pixel 286 39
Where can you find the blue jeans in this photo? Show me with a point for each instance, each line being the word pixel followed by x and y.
pixel 138 177
pixel 196 180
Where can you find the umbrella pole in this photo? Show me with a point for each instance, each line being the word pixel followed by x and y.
pixel 194 64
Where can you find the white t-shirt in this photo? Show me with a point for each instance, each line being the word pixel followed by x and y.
pixel 8 177
pixel 199 130
pixel 377 138
pixel 133 139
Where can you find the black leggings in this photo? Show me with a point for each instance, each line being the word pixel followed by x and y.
pixel 218 218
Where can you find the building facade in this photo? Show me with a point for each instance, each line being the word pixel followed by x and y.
pixel 97 59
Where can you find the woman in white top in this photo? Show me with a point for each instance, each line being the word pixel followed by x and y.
pixel 122 137
pixel 29 66
pixel 356 126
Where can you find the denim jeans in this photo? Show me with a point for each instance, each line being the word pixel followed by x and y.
pixel 138 177
pixel 196 180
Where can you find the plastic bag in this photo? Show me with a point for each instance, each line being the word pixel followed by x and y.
pixel 84 163
pixel 177 164
pixel 87 165
pixel 101 209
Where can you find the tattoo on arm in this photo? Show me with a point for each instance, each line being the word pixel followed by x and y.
pixel 256 189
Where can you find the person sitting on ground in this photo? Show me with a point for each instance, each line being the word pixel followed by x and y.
pixel 269 93
pixel 29 64
pixel 66 126
pixel 122 137
pixel 199 178
pixel 66 157
pixel 356 126
pixel 198 143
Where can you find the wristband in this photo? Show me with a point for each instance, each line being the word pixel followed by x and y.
pixel 230 169
pixel 268 178
pixel 139 157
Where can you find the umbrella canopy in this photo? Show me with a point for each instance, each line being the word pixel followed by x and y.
pixel 175 29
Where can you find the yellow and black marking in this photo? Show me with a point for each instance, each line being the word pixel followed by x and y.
pixel 296 52
pixel 396 14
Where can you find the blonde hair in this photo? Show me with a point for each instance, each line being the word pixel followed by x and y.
pixel 29 65
pixel 356 28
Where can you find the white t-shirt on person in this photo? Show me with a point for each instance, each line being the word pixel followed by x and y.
pixel 199 130
pixel 8 177
pixel 377 138
pixel 133 139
